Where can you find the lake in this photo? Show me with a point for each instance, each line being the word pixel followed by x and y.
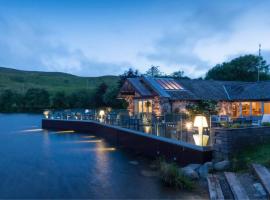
pixel 36 163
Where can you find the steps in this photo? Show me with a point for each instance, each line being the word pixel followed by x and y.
pixel 235 185
pixel 214 187
pixel 220 186
pixel 263 175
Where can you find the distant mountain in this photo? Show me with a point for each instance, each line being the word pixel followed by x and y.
pixel 20 80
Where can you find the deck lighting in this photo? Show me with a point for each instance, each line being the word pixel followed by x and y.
pixel 200 139
pixel 101 115
pixel 189 126
pixel 46 114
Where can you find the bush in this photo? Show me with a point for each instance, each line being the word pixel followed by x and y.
pixel 266 124
pixel 173 177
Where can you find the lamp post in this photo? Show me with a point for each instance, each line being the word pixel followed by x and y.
pixel 200 139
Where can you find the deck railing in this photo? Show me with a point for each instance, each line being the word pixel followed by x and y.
pixel 173 126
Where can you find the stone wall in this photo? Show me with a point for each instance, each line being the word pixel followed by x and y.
pixel 227 142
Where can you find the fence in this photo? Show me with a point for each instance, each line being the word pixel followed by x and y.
pixel 174 126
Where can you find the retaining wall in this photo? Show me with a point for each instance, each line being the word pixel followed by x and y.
pixel 138 142
pixel 227 142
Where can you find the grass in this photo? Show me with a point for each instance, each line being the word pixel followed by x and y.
pixel 20 81
pixel 172 176
pixel 259 154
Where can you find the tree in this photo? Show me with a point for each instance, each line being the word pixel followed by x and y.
pixel 130 73
pixel 243 68
pixel 154 71
pixel 81 99
pixel 98 96
pixel 179 75
pixel 36 99
pixel 203 107
pixel 10 101
pixel 110 99
pixel 59 100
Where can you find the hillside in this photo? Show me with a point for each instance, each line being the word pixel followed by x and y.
pixel 20 81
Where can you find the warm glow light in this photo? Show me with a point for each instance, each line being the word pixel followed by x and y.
pixel 46 114
pixel 89 136
pixel 68 131
pixel 189 125
pixel 200 139
pixel 101 113
pixel 88 141
pixel 32 130
pixel 147 129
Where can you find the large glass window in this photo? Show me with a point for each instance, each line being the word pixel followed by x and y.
pixel 267 108
pixel 246 108
pixel 256 108
pixel 236 109
pixel 143 106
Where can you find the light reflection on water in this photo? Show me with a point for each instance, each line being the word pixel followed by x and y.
pixel 49 164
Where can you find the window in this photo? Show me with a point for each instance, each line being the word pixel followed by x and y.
pixel 143 106
pixel 168 84
pixel 245 108
pixel 267 108
pixel 256 108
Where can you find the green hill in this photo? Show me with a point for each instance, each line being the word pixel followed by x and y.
pixel 21 81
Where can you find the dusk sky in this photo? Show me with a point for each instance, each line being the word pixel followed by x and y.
pixel 101 37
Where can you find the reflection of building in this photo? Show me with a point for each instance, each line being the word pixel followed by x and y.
pixel 165 95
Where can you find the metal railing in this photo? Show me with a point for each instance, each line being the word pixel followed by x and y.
pixel 173 126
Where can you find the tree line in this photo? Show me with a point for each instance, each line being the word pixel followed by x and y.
pixel 37 99
pixel 243 68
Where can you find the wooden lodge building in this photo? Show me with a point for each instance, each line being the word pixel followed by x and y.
pixel 167 95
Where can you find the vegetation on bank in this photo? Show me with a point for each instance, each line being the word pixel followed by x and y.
pixel 29 91
pixel 259 154
pixel 172 176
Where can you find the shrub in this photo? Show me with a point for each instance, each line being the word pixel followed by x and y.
pixel 266 124
pixel 173 177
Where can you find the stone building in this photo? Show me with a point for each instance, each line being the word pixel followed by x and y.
pixel 166 95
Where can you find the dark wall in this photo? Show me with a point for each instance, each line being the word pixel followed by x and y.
pixel 138 142
pixel 226 142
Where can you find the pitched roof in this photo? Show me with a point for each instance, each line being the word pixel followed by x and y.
pixel 202 89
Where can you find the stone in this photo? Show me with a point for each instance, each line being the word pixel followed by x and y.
pixel 134 162
pixel 194 167
pixel 190 173
pixel 210 166
pixel 222 165
pixel 204 170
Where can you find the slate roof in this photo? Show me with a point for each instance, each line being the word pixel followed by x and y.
pixel 205 89
pixel 139 87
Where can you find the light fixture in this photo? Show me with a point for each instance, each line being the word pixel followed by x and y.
pixel 189 125
pixel 200 139
pixel 101 115
pixel 46 114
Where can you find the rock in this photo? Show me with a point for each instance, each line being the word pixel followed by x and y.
pixel 149 173
pixel 190 173
pixel 194 167
pixel 204 169
pixel 222 166
pixel 134 162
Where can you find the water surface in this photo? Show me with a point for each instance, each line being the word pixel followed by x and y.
pixel 36 163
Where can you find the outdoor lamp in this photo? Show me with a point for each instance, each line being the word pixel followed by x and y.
pixel 101 114
pixel 200 122
pixel 46 114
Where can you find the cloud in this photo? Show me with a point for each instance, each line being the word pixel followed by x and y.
pixel 30 47
pixel 212 33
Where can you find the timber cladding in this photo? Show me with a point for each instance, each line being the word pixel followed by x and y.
pixel 140 143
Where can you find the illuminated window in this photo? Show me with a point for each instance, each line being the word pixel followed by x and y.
pixel 267 108
pixel 143 106
pixel 236 109
pixel 169 84
pixel 256 108
pixel 245 108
